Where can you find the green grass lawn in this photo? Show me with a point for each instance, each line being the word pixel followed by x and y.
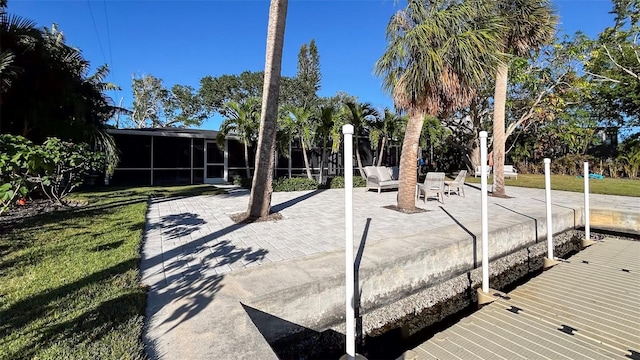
pixel 607 186
pixel 69 280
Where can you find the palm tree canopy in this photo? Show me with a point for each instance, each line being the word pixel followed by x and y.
pixel 243 120
pixel 437 53
pixel 529 24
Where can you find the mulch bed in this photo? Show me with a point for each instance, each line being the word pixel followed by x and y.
pixel 415 210
pixel 19 213
pixel 243 218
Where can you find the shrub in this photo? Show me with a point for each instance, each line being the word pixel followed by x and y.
pixel 338 182
pixel 65 166
pixel 294 184
pixel 20 160
pixel 242 182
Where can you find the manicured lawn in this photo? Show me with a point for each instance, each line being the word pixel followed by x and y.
pixel 69 281
pixel 607 186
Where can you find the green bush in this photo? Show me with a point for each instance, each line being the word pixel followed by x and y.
pixel 294 184
pixel 20 161
pixel 65 165
pixel 338 182
pixel 242 182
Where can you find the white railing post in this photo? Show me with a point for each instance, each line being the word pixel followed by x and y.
pixel 347 130
pixel 587 226
pixel 485 217
pixel 547 186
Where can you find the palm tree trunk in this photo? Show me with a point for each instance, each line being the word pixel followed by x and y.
pixel 261 190
pixel 408 169
pixel 246 160
pixel 323 161
pixel 358 159
pixel 306 160
pixel 381 153
pixel 500 98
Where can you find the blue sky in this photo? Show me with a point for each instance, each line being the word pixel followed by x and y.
pixel 183 41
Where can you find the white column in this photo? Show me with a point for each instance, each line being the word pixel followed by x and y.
pixel 347 130
pixel 587 225
pixel 485 216
pixel 547 186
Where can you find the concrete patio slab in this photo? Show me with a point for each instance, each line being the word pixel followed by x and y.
pixel 211 281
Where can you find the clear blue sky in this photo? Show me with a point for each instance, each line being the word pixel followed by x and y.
pixel 183 41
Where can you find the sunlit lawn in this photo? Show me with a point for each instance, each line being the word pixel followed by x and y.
pixel 606 186
pixel 69 281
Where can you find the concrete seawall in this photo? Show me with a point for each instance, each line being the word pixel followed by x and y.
pixel 401 278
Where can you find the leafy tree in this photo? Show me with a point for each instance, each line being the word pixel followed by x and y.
pixel 261 190
pixel 613 64
pixel 242 121
pixel 46 89
pixel 528 25
pixel 20 160
pixel 156 106
pixel 437 54
pixel 214 92
pixel 309 74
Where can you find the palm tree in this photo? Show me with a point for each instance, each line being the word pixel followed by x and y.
pixel 299 125
pixel 381 129
pixel 260 200
pixel 438 52
pixel 359 116
pixel 529 24
pixel 242 121
pixel 324 133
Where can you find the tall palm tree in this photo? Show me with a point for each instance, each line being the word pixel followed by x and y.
pixel 324 134
pixel 299 125
pixel 242 121
pixel 437 53
pixel 383 128
pixel 261 190
pixel 529 24
pixel 359 115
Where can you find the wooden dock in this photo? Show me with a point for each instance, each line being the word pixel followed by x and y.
pixel 585 308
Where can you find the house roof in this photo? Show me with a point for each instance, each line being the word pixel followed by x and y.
pixel 169 132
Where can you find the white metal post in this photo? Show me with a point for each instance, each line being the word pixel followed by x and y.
pixel 485 218
pixel 587 226
pixel 547 186
pixel 347 130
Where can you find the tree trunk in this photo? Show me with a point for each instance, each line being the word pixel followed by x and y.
pixel 381 153
pixel 246 160
pixel 500 98
pixel 408 169
pixel 306 160
pixel 261 189
pixel 323 161
pixel 358 159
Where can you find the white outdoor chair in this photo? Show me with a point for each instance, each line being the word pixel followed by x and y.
pixel 457 184
pixel 433 184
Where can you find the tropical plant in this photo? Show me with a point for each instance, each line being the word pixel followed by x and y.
pixel 20 160
pixel 359 115
pixel 299 125
pixel 65 166
pixel 437 54
pixel 242 121
pixel 383 128
pixel 528 25
pixel 260 199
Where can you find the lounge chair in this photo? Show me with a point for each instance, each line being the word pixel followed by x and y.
pixel 478 171
pixel 379 177
pixel 457 184
pixel 510 171
pixel 433 184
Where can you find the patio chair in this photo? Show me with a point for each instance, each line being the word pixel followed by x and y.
pixel 433 184
pixel 457 183
pixel 379 177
